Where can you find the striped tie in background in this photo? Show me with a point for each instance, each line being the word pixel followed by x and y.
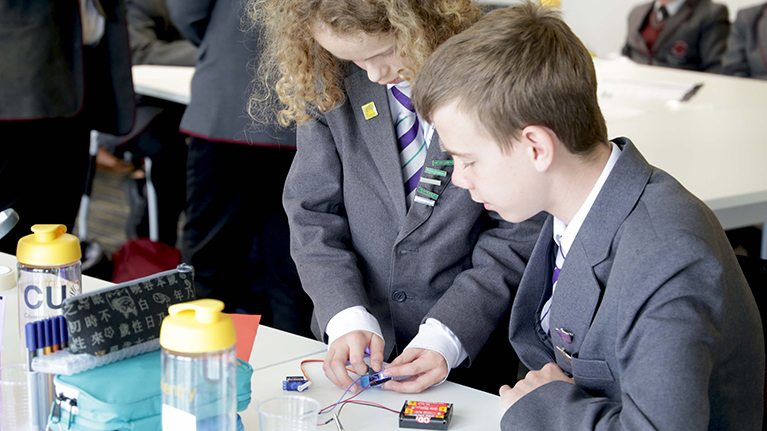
pixel 412 145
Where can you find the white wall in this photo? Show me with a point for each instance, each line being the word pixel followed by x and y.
pixel 601 24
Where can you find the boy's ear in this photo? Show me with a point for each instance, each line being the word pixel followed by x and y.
pixel 539 146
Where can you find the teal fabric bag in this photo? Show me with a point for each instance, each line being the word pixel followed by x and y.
pixel 124 395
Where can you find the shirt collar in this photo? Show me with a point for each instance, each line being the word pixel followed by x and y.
pixel 564 235
pixel 672 8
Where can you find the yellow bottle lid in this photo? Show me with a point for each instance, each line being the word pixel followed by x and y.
pixel 197 327
pixel 49 245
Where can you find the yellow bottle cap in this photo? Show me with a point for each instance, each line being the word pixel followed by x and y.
pixel 197 327
pixel 49 245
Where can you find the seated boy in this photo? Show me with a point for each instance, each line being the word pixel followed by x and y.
pixel 684 34
pixel 632 312
pixel 746 55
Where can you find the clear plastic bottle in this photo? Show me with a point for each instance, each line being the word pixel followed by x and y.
pixel 48 272
pixel 199 368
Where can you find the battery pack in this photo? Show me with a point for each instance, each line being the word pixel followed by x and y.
pixel 425 415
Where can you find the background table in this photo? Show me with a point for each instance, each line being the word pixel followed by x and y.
pixel 715 144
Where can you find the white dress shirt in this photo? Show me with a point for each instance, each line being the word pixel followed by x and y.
pixel 672 8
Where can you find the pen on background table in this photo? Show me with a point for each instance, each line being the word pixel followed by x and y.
pixel 692 92
pixel 32 377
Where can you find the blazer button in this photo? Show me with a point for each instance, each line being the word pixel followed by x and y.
pixel 399 296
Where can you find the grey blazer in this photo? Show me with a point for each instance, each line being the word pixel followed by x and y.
pixel 354 243
pixel 695 38
pixel 44 65
pixel 746 54
pixel 223 77
pixel 666 333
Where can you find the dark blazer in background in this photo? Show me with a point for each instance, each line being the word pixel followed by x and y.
pixel 695 38
pixel 236 234
pixel 223 77
pixel 153 38
pixel 45 72
pixel 355 244
pixel 666 333
pixel 53 92
pixel 747 46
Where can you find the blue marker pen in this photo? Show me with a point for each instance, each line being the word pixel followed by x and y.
pixel 55 335
pixel 39 338
pixel 47 340
pixel 63 332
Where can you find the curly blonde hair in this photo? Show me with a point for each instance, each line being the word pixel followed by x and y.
pixel 304 76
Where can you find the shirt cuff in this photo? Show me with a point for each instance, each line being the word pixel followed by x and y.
pixel 433 335
pixel 355 318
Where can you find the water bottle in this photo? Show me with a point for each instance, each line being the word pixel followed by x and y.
pixel 199 368
pixel 48 272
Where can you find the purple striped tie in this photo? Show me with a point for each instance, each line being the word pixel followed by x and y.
pixel 412 145
pixel 558 262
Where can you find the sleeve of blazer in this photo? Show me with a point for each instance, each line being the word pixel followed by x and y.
pixel 320 239
pixel 191 17
pixel 735 61
pixel 669 320
pixel 713 39
pixel 480 296
pixel 147 47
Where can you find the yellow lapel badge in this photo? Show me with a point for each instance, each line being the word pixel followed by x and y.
pixel 369 110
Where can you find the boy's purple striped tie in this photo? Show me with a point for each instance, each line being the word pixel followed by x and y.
pixel 412 145
pixel 558 262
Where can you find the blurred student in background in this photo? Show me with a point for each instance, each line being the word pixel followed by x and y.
pixel 155 134
pixel 60 77
pixel 746 55
pixel 683 34
pixel 236 232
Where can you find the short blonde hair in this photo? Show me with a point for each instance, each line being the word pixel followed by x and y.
pixel 305 76
pixel 516 67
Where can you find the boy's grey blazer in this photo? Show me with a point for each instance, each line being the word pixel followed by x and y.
pixel 354 244
pixel 666 333
pixel 694 38
pixel 747 46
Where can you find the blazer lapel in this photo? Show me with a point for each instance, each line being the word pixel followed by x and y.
pixel 419 213
pixel 635 27
pixel 379 134
pixel 578 290
pixel 525 331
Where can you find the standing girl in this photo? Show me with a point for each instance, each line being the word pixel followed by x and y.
pixel 396 259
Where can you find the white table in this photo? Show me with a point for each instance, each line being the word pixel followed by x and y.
pixel 172 83
pixel 715 144
pixel 472 409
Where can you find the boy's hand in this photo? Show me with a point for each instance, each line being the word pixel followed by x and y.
pixel 533 380
pixel 426 368
pixel 351 348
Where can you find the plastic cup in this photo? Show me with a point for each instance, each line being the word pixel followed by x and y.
pixel 14 410
pixel 288 413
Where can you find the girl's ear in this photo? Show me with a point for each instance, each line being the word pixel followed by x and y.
pixel 539 146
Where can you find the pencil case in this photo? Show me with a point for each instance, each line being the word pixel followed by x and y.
pixel 126 314
pixel 125 395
